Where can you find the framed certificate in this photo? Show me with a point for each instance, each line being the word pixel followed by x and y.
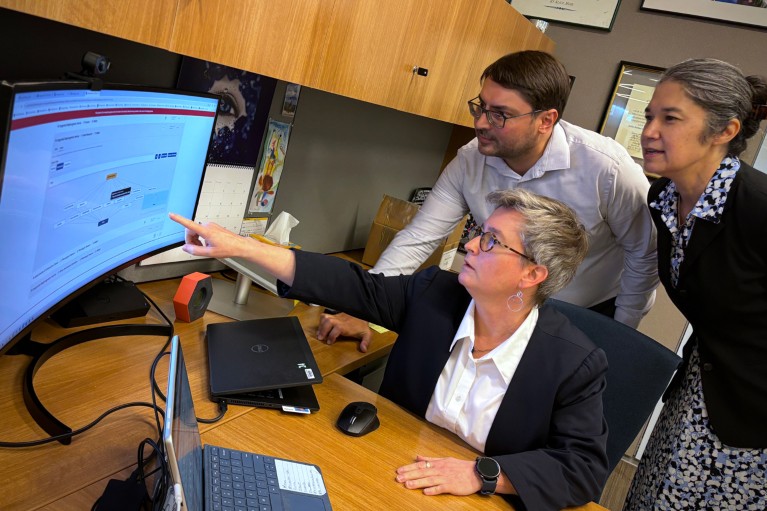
pixel 744 12
pixel 624 114
pixel 587 13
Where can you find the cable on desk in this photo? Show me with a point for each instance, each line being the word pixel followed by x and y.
pixel 75 432
pixel 222 408
pixel 157 496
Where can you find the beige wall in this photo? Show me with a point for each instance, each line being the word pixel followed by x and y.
pixel 645 37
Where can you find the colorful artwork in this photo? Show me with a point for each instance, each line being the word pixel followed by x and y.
pixel 242 112
pixel 270 170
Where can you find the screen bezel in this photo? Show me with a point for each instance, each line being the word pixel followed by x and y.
pixel 8 91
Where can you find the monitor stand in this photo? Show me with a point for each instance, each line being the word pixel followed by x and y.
pixel 240 300
pixel 109 300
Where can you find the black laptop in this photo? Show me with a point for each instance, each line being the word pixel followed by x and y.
pixel 259 354
pixel 289 399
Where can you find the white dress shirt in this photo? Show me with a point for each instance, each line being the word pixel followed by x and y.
pixel 469 391
pixel 592 174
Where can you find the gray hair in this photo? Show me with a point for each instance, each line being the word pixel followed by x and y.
pixel 552 236
pixel 724 93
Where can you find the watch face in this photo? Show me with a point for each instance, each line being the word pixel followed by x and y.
pixel 488 467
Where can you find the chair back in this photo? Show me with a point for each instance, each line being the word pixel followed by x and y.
pixel 639 370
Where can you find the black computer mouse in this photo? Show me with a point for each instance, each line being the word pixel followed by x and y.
pixel 358 418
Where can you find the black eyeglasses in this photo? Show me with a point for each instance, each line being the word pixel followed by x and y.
pixel 494 117
pixel 487 241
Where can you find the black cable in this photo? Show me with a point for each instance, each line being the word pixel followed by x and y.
pixel 153 405
pixel 222 408
pixel 156 389
pixel 162 350
pixel 42 441
pixel 156 496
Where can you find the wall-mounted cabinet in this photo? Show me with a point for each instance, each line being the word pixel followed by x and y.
pixel 143 21
pixel 284 40
pixel 417 56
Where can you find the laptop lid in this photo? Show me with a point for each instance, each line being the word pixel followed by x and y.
pixel 181 437
pixel 301 485
pixel 259 354
pixel 300 399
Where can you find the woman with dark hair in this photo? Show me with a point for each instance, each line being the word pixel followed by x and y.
pixel 709 448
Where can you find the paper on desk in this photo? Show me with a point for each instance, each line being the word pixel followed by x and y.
pixel 299 477
pixel 379 329
pixel 279 231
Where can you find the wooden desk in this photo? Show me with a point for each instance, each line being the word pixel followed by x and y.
pixel 82 382
pixel 358 472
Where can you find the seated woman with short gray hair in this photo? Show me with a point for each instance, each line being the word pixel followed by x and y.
pixel 478 353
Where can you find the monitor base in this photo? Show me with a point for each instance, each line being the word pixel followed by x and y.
pixel 242 301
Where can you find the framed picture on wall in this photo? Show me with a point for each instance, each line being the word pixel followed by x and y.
pixel 744 12
pixel 243 109
pixel 624 114
pixel 760 158
pixel 588 13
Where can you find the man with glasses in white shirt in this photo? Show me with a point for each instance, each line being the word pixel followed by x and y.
pixel 522 142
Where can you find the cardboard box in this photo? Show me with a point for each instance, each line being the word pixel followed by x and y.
pixel 393 215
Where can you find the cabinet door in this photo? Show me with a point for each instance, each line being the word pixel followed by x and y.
pixel 366 49
pixel 504 30
pixel 283 39
pixel 450 34
pixel 373 48
pixel 144 21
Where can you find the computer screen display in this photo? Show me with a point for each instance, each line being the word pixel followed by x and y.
pixel 87 178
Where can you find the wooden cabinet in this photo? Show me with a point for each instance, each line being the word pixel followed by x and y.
pixel 374 49
pixel 502 31
pixel 362 49
pixel 144 21
pixel 283 39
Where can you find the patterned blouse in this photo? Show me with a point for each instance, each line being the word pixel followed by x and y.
pixel 708 208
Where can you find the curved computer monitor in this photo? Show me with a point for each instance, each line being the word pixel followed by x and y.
pixel 87 178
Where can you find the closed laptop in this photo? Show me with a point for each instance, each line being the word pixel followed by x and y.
pixel 259 354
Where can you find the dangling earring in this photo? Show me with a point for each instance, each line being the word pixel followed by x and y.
pixel 516 300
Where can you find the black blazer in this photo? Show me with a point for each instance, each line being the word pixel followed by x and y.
pixel 722 291
pixel 549 434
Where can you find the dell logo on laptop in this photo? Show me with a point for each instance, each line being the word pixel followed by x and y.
pixel 259 348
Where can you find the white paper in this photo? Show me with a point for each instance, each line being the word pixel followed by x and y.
pixel 253 226
pixel 299 477
pixel 629 133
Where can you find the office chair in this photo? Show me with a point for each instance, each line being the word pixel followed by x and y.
pixel 639 371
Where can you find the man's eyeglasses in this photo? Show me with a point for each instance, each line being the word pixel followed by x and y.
pixel 494 117
pixel 487 241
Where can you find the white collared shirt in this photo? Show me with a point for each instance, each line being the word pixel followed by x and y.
pixel 592 174
pixel 469 391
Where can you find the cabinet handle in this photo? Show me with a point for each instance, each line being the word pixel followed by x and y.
pixel 420 71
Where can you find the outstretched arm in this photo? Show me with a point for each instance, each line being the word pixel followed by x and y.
pixel 208 239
